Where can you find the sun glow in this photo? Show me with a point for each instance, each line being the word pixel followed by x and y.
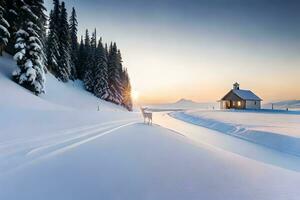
pixel 135 95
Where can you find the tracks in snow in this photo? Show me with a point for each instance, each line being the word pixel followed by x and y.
pixel 60 147
pixel 17 153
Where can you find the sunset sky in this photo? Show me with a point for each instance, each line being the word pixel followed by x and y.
pixel 197 49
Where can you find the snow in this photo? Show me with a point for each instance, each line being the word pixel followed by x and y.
pixel 59 146
pixel 28 64
pixel 21 32
pixel 63 106
pixel 36 47
pixel 6 24
pixel 35 39
pixel 290 104
pixel 19 55
pixel 123 164
pixel 31 74
pixel 5 40
pixel 5 30
pixel 28 10
pixel 276 129
pixel 13 12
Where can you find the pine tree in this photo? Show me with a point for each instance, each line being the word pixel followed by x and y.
pixel 121 73
pixel 89 80
pixel 64 67
pixel 87 39
pixel 74 44
pixel 4 25
pixel 90 64
pixel 84 52
pixel 106 51
pixel 11 15
pixel 114 81
pixel 101 76
pixel 126 93
pixel 38 8
pixel 52 46
pixel 81 60
pixel 30 72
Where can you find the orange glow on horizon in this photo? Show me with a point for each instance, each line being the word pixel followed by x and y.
pixel 215 92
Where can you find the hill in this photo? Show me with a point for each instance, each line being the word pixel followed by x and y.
pixel 184 104
pixel 59 95
pixel 64 105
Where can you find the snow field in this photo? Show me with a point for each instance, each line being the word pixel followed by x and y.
pixel 275 130
pixel 148 162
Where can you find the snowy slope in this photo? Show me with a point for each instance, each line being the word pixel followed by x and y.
pixel 65 105
pixel 278 129
pixel 70 95
pixel 14 96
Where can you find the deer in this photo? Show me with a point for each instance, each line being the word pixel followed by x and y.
pixel 146 115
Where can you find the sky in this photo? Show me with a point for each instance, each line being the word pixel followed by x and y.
pixel 196 49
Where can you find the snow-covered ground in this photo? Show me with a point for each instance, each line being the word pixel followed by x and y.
pixel 138 162
pixel 65 114
pixel 290 104
pixel 276 129
pixel 64 106
pixel 58 146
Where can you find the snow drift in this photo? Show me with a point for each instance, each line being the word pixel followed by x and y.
pixel 277 130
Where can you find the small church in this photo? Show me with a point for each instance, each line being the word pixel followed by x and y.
pixel 240 99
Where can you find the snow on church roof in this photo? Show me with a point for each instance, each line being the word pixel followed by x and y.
pixel 246 95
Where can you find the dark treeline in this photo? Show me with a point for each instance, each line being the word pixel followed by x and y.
pixel 41 44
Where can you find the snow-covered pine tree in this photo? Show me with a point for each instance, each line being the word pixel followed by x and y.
pixel 12 18
pixel 52 46
pixel 74 43
pixel 120 68
pixel 81 60
pixel 87 40
pixel 84 49
pixel 90 64
pixel 38 8
pixel 126 100
pixel 106 51
pixel 4 25
pixel 101 76
pixel 114 82
pixel 64 67
pixel 88 80
pixel 29 52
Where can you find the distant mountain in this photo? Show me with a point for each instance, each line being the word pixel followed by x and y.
pixel 291 104
pixel 185 101
pixel 184 104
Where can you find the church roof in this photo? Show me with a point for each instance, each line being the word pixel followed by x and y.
pixel 246 95
pixel 242 94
